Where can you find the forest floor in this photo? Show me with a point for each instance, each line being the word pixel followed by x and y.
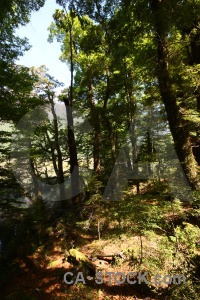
pixel 113 244
pixel 45 281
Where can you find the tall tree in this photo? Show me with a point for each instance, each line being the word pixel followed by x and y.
pixel 178 126
pixel 148 19
pixel 45 88
pixel 65 21
pixel 156 39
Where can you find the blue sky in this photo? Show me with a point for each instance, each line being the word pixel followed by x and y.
pixel 42 52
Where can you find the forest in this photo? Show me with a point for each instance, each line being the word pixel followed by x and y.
pixel 99 181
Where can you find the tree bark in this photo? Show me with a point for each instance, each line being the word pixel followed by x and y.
pixel 97 130
pixel 194 58
pixel 178 126
pixel 53 156
pixel 128 82
pixel 36 190
pixel 74 167
pixel 60 173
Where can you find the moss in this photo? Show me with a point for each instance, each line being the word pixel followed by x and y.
pixel 78 258
pixel 78 255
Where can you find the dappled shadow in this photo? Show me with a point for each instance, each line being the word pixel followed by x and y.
pixel 37 283
pixel 38 273
pixel 141 291
pixel 48 284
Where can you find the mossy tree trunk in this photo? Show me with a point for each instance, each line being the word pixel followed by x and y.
pixel 178 126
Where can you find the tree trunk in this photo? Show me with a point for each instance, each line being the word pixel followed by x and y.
pixel 178 126
pixel 53 156
pixel 74 167
pixel 59 168
pixel 36 190
pixel 128 82
pixel 97 131
pixel 194 58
